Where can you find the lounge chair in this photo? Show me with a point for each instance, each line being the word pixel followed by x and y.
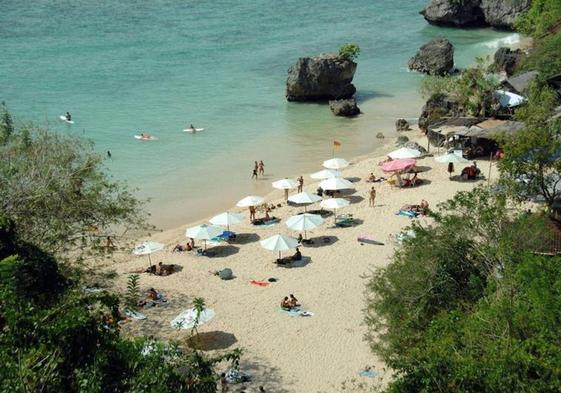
pixel 344 220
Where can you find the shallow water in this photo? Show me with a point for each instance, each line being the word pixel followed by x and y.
pixel 121 67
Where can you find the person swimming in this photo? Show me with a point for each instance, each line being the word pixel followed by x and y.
pixel 68 116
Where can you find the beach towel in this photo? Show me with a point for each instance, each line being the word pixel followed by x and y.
pixel 134 315
pixel 369 240
pixel 259 283
pixel 368 373
pixel 407 213
pixel 296 312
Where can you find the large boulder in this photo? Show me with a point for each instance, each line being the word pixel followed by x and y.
pixel 434 58
pixel 347 108
pixel 437 107
pixel 507 59
pixel 321 78
pixel 402 125
pixel 454 13
pixel 503 13
pixel 463 13
pixel 415 146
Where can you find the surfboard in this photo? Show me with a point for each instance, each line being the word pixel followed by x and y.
pixel 191 130
pixel 63 118
pixel 142 138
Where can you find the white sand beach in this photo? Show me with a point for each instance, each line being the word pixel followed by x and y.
pixel 284 353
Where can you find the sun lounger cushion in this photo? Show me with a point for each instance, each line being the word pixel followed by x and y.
pixel 408 213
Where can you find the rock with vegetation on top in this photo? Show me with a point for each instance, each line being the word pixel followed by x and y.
pixel 506 60
pixel 463 13
pixel 402 125
pixel 321 78
pixel 437 107
pixel 347 108
pixel 434 58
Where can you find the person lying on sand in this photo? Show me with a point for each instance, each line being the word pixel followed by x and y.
pixel 371 178
pixel 181 248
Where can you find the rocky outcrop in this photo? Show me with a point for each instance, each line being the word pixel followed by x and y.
pixel 347 108
pixel 321 78
pixel 506 60
pixel 437 107
pixel 402 125
pixel 465 13
pixel 415 146
pixel 434 58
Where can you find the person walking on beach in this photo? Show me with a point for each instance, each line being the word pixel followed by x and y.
pixel 251 214
pixel 255 168
pixel 300 183
pixel 261 168
pixel 450 169
pixel 372 197
pixel 223 383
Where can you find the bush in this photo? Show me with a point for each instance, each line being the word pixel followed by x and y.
pixel 545 57
pixel 542 15
pixel 349 51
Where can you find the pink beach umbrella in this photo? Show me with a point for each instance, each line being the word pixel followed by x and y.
pixel 399 165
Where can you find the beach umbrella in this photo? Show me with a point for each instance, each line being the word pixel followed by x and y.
pixel 279 243
pixel 404 152
pixel 336 183
pixel 285 184
pixel 251 200
pixel 304 222
pixel 451 157
pixel 204 232
pixel 186 320
pixel 336 163
pixel 304 198
pixel 508 99
pixel 147 248
pixel 399 165
pixel 334 203
pixel 325 174
pixel 227 219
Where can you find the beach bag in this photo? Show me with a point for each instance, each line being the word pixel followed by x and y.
pixel 226 274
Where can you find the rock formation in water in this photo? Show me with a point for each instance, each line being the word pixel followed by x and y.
pixel 346 107
pixel 434 58
pixel 437 107
pixel 402 125
pixel 506 60
pixel 320 78
pixel 465 13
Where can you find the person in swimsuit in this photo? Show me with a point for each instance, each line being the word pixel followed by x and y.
pixel 261 168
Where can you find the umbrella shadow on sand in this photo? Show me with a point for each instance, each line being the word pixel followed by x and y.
pixel 355 199
pixel 210 341
pixel 301 263
pixel 422 168
pixel 222 251
pixel 246 238
pixel 353 179
pixel 321 241
pixel 322 213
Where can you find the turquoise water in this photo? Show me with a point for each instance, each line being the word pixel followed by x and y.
pixel 124 66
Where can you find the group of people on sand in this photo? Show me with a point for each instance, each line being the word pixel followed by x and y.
pixel 421 208
pixel 189 246
pixel 289 303
pixel 258 169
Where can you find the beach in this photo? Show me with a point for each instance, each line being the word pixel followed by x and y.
pixel 284 353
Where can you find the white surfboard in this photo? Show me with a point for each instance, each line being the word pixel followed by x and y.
pixel 191 130
pixel 143 138
pixel 63 118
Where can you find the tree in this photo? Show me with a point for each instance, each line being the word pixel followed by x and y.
pixel 349 51
pixel 542 15
pixel 434 311
pixel 55 189
pixel 6 123
pixel 532 161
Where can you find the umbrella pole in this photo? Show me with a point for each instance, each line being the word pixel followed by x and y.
pixel 305 236
pixel 149 260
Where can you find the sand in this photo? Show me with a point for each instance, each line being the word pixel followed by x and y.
pixel 283 353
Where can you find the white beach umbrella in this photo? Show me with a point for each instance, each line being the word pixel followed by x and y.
pixel 334 203
pixel 251 200
pixel 285 184
pixel 508 99
pixel 186 320
pixel 227 219
pixel 451 157
pixel 404 152
pixel 204 232
pixel 147 248
pixel 304 222
pixel 336 183
pixel 325 174
pixel 336 163
pixel 279 243
pixel 304 198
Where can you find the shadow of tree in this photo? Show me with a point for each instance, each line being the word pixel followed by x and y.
pixel 214 340
pixel 264 375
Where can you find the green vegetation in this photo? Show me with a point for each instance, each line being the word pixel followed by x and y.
pixel 55 189
pixel 542 16
pixel 545 57
pixel 472 89
pixel 133 293
pixel 466 305
pixel 349 51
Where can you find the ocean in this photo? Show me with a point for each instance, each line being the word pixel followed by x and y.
pixel 122 67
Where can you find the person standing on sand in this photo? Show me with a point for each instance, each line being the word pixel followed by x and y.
pixel 255 168
pixel 223 383
pixel 261 168
pixel 450 169
pixel 251 214
pixel 372 197
pixel 300 183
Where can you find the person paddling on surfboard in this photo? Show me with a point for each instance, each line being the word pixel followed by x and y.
pixel 192 128
pixel 68 116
